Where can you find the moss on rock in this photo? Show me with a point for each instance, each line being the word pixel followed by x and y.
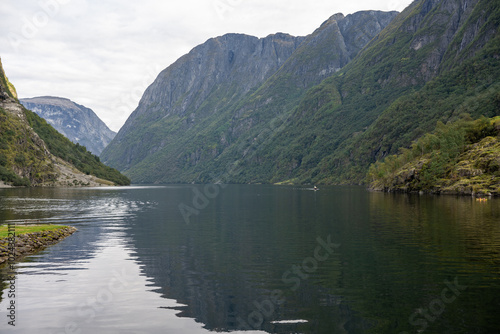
pixel 460 158
pixel 30 243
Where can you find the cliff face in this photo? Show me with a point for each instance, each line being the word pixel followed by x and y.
pixel 434 62
pixel 78 123
pixel 194 92
pixel 318 109
pixel 224 91
pixel 33 153
pixel 230 65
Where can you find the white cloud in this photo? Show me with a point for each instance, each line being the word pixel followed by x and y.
pixel 103 54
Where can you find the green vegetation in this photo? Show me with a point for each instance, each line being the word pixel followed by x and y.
pixel 5 83
pixel 19 152
pixel 75 154
pixel 227 122
pixel 23 229
pixel 391 97
pixel 422 69
pixel 459 157
pixel 23 157
pixel 23 161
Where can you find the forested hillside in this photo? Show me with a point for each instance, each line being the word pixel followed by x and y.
pixel 33 153
pixel 205 111
pixel 435 61
pixel 461 157
pixel 355 91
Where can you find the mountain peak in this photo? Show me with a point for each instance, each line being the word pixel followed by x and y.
pixel 53 100
pixel 78 123
pixel 334 18
pixel 214 96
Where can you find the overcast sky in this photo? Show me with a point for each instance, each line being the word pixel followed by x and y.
pixel 104 53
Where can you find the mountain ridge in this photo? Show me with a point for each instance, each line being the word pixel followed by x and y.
pixel 228 112
pixel 432 95
pixel 331 109
pixel 77 122
pixel 361 114
pixel 33 153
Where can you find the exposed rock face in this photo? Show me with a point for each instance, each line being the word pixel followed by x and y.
pixel 357 89
pixel 78 123
pixel 217 88
pixel 234 61
pixel 25 158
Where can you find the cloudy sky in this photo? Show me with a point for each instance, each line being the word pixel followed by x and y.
pixel 104 53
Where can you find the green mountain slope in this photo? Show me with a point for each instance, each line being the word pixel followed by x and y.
pixel 462 81
pixel 191 125
pixel 341 100
pixel 192 97
pixel 461 157
pixel 435 61
pixel 33 153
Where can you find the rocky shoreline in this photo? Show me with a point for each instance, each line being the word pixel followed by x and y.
pixel 30 243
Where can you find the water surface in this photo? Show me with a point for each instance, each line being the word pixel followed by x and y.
pixel 256 258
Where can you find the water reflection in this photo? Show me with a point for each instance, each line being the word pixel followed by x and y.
pixel 105 294
pixel 427 242
pixel 92 281
pixel 249 261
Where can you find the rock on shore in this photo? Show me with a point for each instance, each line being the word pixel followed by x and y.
pixel 30 243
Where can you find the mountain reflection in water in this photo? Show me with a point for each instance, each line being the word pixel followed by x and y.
pixel 256 258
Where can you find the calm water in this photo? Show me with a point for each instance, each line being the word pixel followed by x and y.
pixel 261 259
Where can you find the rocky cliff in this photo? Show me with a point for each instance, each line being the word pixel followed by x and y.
pixel 78 123
pixel 435 61
pixel 320 110
pixel 33 153
pixel 206 105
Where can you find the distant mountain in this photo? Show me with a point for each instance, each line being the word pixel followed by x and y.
pixel 78 123
pixel 318 109
pixel 33 153
pixel 201 111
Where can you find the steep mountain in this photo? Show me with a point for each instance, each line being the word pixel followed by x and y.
pixel 194 93
pixel 78 123
pixel 435 61
pixel 202 110
pixel 341 100
pixel 33 153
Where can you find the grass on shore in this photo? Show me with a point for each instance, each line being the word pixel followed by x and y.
pixel 23 229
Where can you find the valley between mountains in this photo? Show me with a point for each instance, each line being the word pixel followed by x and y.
pixel 315 109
